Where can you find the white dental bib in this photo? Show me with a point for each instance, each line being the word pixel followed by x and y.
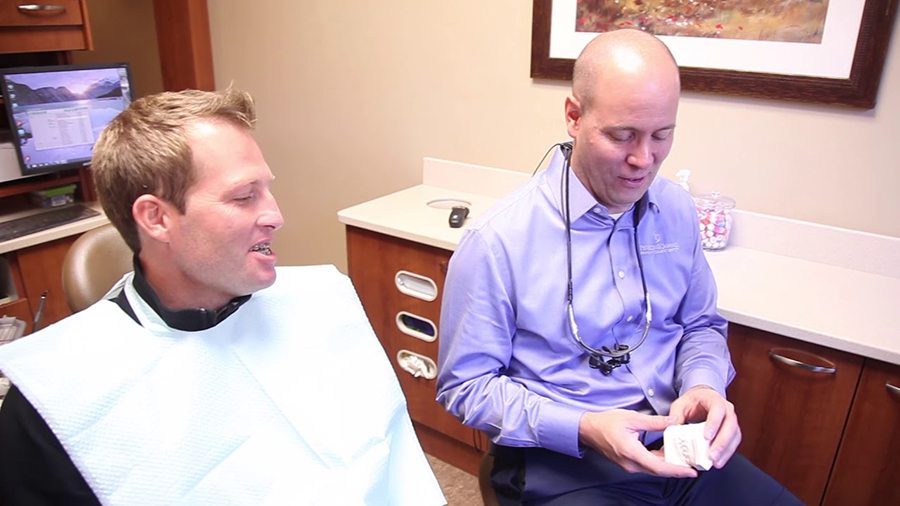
pixel 290 400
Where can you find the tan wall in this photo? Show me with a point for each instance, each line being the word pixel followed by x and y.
pixel 125 31
pixel 353 94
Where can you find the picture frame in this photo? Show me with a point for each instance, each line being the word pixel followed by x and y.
pixel 856 88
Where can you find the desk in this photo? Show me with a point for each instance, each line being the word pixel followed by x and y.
pixel 69 229
pixel 32 264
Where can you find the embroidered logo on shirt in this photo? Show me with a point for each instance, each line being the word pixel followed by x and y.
pixel 659 247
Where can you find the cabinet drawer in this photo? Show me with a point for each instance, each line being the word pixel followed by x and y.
pixel 50 13
pixel 423 409
pixel 867 469
pixel 61 25
pixel 792 400
pixel 374 261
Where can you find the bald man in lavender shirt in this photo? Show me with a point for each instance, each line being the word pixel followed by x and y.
pixel 579 315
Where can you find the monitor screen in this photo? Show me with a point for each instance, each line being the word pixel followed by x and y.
pixel 56 112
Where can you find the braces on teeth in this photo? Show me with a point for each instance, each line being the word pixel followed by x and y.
pixel 265 249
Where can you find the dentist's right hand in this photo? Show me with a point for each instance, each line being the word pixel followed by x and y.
pixel 616 434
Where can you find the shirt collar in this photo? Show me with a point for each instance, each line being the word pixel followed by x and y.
pixel 189 320
pixel 581 201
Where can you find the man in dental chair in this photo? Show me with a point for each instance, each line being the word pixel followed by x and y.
pixel 200 378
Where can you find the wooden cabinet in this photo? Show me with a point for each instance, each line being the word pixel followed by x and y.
pixel 822 422
pixel 792 400
pixel 57 25
pixel 15 306
pixel 41 269
pixel 36 271
pixel 374 262
pixel 867 470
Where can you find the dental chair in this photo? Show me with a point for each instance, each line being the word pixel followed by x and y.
pixel 93 264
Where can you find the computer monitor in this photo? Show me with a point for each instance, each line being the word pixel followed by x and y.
pixel 57 112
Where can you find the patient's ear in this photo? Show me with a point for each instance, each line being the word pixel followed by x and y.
pixel 152 217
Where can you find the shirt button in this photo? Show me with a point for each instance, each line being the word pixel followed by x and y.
pixel 650 392
pixel 597 210
pixel 629 318
pixel 621 274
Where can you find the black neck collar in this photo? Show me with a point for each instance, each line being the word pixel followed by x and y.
pixel 190 320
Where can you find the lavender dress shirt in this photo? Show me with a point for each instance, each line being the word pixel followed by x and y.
pixel 507 362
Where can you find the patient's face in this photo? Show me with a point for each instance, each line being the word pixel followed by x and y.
pixel 221 245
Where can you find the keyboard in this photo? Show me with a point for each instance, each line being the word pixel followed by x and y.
pixel 48 219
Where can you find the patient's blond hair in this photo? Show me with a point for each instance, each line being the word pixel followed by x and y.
pixel 145 150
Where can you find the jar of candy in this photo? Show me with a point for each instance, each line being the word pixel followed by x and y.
pixel 714 211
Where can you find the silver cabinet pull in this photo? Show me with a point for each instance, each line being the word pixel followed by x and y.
pixel 48 8
pixel 416 285
pixel 893 389
pixel 419 366
pixel 829 369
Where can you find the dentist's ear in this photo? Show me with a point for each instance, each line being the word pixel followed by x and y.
pixel 573 116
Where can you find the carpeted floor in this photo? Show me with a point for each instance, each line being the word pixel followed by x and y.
pixel 460 488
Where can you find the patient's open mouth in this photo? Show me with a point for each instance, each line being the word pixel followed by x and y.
pixel 264 247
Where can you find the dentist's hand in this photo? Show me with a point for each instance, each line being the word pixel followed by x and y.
pixel 702 403
pixel 616 434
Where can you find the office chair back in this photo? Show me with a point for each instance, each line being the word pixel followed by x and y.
pixel 92 266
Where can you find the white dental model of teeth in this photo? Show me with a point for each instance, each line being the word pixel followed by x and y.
pixel 684 445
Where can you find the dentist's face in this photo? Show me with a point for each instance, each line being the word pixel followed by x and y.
pixel 621 139
pixel 622 115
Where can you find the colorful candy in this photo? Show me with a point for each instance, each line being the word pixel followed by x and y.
pixel 714 211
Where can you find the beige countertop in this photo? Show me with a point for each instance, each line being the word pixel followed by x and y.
pixel 833 287
pixel 407 214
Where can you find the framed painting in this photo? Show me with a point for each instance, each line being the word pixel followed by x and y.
pixel 824 51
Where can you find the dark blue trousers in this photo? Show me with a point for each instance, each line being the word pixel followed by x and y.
pixel 536 476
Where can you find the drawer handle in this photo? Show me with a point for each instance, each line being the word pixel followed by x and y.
pixel 830 369
pixel 419 366
pixel 416 285
pixel 893 389
pixel 416 326
pixel 45 8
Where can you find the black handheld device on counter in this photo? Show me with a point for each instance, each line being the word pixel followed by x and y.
pixel 458 215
